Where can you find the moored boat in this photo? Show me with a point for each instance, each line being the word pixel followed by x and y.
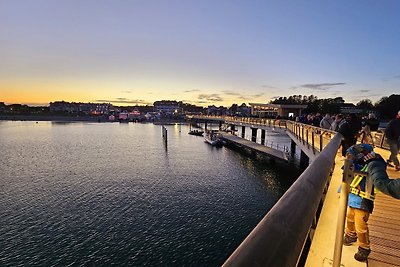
pixel 213 138
pixel 196 132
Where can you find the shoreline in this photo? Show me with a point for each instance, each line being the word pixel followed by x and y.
pixel 101 119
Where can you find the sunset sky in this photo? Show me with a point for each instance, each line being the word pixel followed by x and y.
pixel 204 52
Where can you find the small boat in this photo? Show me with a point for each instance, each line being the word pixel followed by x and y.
pixel 196 132
pixel 213 138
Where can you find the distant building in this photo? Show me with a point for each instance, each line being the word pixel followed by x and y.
pixel 274 110
pixel 167 107
pixel 85 108
pixel 217 111
pixel 244 110
pixel 347 108
pixel 62 106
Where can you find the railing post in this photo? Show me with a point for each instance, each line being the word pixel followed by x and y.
pixel 312 139
pixel 348 173
pixel 321 137
pixel 383 138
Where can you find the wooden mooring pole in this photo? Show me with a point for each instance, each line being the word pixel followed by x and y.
pixel 164 134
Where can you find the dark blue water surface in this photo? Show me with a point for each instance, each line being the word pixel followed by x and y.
pixel 74 194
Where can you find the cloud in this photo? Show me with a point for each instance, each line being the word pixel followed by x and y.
pixel 126 92
pixel 190 91
pixel 257 95
pixel 275 97
pixel 364 91
pixel 269 86
pixel 320 86
pixel 227 92
pixel 396 76
pixel 211 97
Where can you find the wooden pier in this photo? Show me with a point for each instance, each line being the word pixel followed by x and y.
pixel 241 142
pixel 384 227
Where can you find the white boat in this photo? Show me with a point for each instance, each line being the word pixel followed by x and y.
pixel 213 138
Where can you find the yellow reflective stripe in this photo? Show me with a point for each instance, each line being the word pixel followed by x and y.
pixel 356 181
pixel 363 195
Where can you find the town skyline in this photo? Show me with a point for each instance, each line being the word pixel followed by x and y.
pixel 122 103
pixel 204 53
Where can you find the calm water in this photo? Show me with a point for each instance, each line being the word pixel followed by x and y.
pixel 113 194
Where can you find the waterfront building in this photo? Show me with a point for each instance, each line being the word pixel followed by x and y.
pixel 2 106
pixel 244 110
pixel 85 108
pixel 347 108
pixel 273 110
pixel 167 107
pixel 216 111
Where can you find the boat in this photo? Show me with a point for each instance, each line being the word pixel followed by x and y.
pixel 213 138
pixel 196 132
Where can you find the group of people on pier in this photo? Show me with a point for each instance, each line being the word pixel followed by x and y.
pixel 352 128
pixel 361 198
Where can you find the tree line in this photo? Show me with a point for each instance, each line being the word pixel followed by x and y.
pixel 385 108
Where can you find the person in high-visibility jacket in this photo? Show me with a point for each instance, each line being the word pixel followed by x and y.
pixel 360 203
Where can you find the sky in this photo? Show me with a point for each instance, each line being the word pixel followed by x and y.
pixel 201 52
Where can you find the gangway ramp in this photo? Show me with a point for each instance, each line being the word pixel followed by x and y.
pixel 241 142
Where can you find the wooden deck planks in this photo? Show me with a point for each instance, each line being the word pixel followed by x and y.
pixel 384 226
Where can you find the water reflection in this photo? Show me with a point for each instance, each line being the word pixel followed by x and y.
pixel 105 194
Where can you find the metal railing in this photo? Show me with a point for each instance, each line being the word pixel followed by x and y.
pixel 313 137
pixel 279 238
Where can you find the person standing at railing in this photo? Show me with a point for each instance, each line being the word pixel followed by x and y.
pixel 337 121
pixel 392 134
pixel 371 124
pixel 350 129
pixel 326 122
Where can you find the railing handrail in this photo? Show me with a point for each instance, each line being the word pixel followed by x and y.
pixel 282 123
pixel 279 238
pixel 315 140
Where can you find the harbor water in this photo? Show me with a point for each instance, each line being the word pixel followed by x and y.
pixel 102 194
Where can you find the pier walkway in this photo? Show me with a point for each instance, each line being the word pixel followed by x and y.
pixel 279 237
pixel 241 142
pixel 384 226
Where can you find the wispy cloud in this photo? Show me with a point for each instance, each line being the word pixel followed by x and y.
pixel 364 91
pixel 126 92
pixel 320 86
pixel 211 97
pixel 268 86
pixel 190 91
pixel 227 92
pixel 250 97
pixel 257 95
